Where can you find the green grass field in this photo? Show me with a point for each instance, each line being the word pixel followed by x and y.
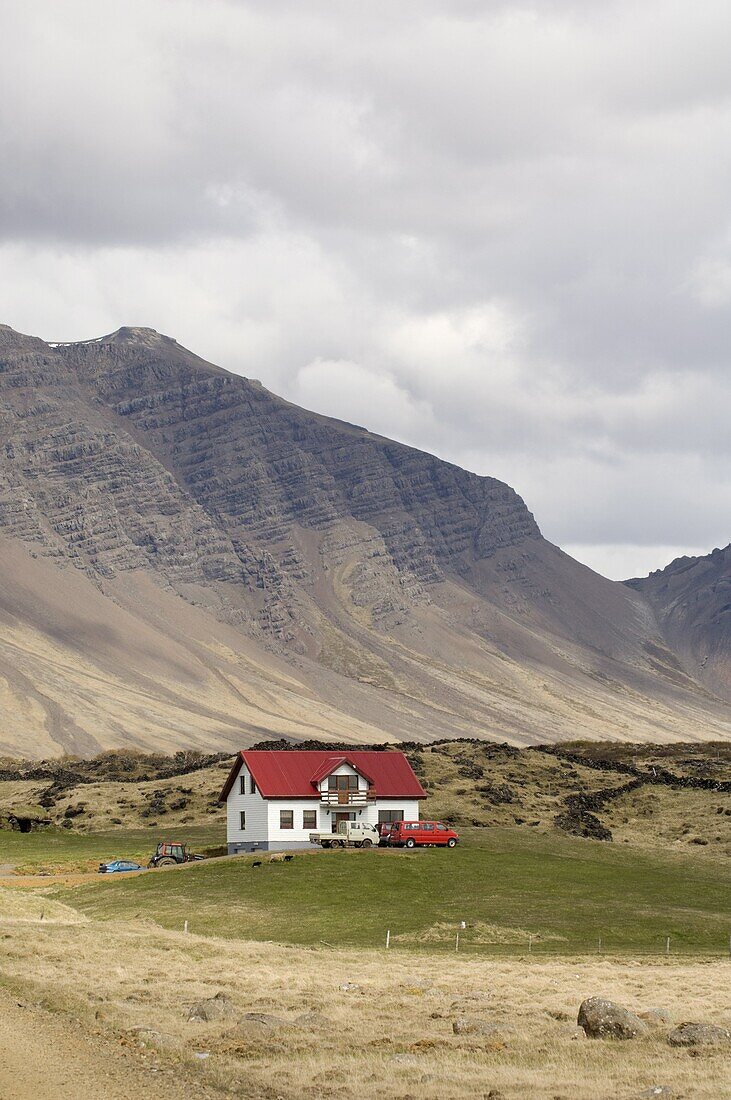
pixel 504 883
pixel 65 850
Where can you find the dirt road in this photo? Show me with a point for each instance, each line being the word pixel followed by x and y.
pixel 45 1055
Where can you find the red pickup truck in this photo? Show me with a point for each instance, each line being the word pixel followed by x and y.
pixel 412 834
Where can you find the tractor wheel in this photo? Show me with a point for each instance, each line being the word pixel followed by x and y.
pixel 166 861
pixel 367 843
pixel 411 843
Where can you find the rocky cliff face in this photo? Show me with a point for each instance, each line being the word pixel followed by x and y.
pixel 129 452
pixel 285 564
pixel 692 601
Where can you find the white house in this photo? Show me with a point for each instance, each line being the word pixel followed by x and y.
pixel 275 799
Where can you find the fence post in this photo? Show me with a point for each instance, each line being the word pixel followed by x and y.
pixel 185 927
pixel 667 946
pixel 456 943
pixel 388 939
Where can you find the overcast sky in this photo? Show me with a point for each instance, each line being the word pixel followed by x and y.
pixel 497 231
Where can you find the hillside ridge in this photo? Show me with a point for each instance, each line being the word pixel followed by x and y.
pixel 691 598
pixel 189 561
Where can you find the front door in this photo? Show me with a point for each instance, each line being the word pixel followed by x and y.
pixel 337 818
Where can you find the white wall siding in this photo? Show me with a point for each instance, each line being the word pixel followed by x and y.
pixel 297 835
pixel 257 820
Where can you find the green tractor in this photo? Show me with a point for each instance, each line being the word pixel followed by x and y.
pixel 167 855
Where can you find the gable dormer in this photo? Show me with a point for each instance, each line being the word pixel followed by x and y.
pixel 341 782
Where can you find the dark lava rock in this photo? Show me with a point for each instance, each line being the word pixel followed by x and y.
pixel 699 1035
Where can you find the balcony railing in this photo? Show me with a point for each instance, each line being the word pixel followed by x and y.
pixel 348 798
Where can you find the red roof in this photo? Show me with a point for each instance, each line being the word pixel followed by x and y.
pixel 283 774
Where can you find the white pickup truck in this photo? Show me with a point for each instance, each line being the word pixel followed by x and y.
pixel 350 834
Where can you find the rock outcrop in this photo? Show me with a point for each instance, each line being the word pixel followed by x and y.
pixel 691 598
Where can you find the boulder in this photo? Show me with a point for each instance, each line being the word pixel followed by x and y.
pixel 259 1021
pixel 468 1025
pixel 656 1017
pixel 213 1009
pixel 575 1033
pixel 603 1019
pixel 149 1036
pixel 698 1035
pixel 312 1021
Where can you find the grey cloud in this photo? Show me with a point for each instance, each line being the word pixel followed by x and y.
pixel 508 220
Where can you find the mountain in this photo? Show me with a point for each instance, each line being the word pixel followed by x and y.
pixel 187 560
pixel 691 599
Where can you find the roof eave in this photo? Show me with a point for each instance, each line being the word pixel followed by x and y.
pixel 231 777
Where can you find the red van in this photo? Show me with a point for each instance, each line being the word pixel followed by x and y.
pixel 410 834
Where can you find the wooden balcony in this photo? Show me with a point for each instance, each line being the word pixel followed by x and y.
pixel 348 798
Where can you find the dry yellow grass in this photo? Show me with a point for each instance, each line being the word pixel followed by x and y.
pixel 391 1035
pixel 19 905
pixel 653 817
pixel 479 932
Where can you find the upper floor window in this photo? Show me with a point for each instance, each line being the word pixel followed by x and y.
pixel 342 782
pixel 252 785
pixel 242 783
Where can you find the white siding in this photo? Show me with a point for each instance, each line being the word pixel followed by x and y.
pixel 255 807
pixel 410 807
pixel 298 834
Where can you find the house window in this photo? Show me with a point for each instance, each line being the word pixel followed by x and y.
pixel 342 782
pixel 309 819
pixel 286 819
pixel 385 817
pixel 242 820
pixel 242 784
pixel 252 785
